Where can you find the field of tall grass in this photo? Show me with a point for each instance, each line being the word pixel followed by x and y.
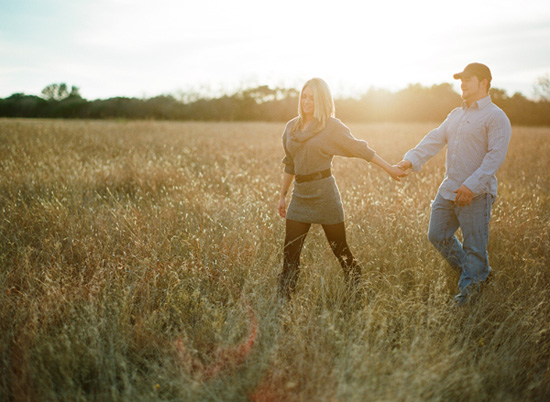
pixel 138 262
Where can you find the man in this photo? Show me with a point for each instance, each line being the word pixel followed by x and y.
pixel 477 136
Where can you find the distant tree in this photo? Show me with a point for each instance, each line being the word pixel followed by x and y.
pixel 75 92
pixel 542 89
pixel 260 94
pixel 161 107
pixel 21 105
pixel 413 103
pixel 498 95
pixel 60 91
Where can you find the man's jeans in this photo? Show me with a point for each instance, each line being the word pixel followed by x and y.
pixel 470 258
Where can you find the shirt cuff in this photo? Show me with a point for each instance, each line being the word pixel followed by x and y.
pixel 473 184
pixel 415 164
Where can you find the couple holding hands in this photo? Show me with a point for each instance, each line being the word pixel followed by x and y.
pixel 476 135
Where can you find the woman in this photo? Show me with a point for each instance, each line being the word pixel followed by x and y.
pixel 310 141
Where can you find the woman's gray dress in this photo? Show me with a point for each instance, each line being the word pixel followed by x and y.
pixel 307 152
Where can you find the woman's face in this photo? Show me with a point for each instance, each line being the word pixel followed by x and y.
pixel 308 102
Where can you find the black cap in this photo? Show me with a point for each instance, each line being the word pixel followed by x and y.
pixel 481 71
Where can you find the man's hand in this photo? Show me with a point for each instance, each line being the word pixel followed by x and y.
pixel 404 164
pixel 464 196
pixel 396 172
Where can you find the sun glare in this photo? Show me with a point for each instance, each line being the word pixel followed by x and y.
pixel 130 48
pixel 362 50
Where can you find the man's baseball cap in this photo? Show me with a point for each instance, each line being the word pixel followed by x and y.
pixel 481 71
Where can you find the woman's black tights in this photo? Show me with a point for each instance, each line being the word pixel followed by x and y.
pixel 296 233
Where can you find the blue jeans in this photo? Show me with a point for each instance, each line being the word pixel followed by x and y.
pixel 470 258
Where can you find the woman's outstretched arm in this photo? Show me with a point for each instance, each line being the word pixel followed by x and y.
pixel 394 171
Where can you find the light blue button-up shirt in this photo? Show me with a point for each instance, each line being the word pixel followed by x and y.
pixel 477 140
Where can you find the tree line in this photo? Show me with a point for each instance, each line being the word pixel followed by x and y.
pixel 414 103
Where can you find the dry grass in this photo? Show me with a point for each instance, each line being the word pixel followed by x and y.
pixel 132 252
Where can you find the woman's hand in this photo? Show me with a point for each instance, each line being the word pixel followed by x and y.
pixel 287 181
pixel 396 172
pixel 282 207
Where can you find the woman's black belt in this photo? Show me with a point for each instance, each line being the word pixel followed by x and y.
pixel 314 176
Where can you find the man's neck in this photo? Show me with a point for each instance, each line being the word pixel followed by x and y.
pixel 473 99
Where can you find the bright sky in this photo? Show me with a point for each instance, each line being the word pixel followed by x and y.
pixel 146 48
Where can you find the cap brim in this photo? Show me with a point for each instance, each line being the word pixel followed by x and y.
pixel 458 76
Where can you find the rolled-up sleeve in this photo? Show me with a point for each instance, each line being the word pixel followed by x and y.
pixel 288 161
pixel 498 137
pixel 428 147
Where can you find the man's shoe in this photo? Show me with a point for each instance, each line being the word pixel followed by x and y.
pixel 468 295
pixel 461 300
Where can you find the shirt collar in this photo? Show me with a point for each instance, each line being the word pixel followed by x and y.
pixel 480 104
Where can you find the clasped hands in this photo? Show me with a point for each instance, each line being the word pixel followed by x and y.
pixel 464 195
pixel 397 172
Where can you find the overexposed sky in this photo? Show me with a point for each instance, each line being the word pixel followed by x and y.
pixel 142 48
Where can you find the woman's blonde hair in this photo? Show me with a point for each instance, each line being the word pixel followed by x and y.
pixel 323 103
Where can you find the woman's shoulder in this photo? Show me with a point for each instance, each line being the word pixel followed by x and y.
pixel 334 124
pixel 289 124
pixel 335 121
pixel 292 121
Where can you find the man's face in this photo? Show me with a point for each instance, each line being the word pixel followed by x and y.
pixel 472 89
